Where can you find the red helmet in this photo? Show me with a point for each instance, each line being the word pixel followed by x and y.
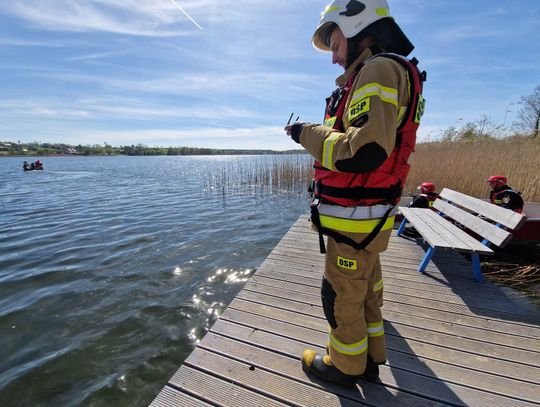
pixel 427 187
pixel 499 180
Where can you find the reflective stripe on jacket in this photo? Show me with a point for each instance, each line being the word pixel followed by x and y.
pixel 355 219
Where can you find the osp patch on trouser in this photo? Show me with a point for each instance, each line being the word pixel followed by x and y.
pixel 352 295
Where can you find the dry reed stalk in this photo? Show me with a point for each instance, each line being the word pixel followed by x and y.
pixel 463 166
pixel 525 278
pixel 268 174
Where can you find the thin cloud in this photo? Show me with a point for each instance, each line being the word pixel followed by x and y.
pixel 468 32
pixel 93 57
pixel 17 42
pixel 139 18
pixel 267 138
pixel 112 108
pixel 240 138
pixel 258 85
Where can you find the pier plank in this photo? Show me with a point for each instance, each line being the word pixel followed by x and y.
pixel 218 391
pixel 172 397
pixel 470 296
pixel 414 306
pixel 442 301
pixel 396 315
pixel 270 319
pixel 450 340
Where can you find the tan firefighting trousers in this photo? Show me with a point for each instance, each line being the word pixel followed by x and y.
pixel 352 297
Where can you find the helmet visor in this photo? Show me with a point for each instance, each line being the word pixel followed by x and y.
pixel 321 38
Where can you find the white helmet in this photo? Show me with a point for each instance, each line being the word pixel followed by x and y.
pixel 354 17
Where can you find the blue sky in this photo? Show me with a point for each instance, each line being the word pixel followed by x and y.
pixel 139 71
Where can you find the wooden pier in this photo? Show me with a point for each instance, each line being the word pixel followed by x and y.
pixel 450 340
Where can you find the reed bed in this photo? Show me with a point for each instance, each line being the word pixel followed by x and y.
pixel 464 166
pixel 269 174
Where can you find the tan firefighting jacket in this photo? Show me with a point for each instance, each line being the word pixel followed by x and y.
pixel 386 84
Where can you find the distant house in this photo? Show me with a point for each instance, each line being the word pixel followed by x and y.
pixel 5 146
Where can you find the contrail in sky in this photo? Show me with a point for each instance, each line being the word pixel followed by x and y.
pixel 186 14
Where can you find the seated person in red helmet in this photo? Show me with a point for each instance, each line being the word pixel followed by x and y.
pixel 502 194
pixel 427 196
pixel 424 200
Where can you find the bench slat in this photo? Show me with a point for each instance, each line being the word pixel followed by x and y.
pixel 442 232
pixel 446 231
pixel 485 229
pixel 415 218
pixel 460 236
pixel 506 217
pixel 439 232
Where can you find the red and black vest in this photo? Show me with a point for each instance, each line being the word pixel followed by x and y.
pixel 424 200
pixel 383 185
pixel 508 198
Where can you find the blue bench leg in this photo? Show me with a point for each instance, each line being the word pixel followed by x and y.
pixel 427 258
pixel 402 226
pixel 477 272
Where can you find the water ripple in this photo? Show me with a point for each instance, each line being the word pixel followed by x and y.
pixel 113 268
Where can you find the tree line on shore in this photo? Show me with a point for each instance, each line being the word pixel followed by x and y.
pixel 48 149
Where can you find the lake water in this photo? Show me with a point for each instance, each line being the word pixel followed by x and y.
pixel 112 268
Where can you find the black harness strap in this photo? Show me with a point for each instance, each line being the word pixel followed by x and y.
pixel 338 237
pixel 356 193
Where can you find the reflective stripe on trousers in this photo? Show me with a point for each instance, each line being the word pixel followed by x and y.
pixel 352 349
pixel 375 329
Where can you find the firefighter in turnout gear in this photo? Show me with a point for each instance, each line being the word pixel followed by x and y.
pixel 504 195
pixel 426 199
pixel 427 196
pixel 362 152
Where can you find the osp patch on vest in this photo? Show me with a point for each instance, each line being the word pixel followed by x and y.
pixel 330 122
pixel 358 108
pixel 420 108
pixel 346 263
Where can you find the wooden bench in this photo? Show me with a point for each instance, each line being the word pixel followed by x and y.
pixel 492 223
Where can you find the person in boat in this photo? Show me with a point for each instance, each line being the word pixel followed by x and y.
pixel 504 195
pixel 38 165
pixel 26 166
pixel 361 153
pixel 32 166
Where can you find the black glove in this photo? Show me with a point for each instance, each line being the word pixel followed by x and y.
pixel 296 130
